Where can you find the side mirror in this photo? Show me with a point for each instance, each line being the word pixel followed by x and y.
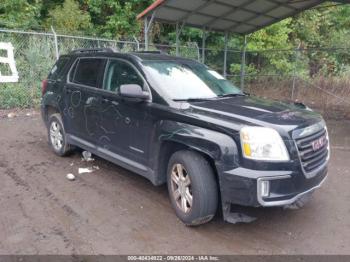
pixel 133 91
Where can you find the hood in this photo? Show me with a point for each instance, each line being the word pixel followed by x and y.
pixel 247 110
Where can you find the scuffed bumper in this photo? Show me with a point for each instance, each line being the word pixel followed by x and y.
pixel 243 186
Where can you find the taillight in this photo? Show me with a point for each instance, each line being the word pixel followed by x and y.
pixel 44 86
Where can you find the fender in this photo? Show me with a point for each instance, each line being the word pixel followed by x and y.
pixel 50 99
pixel 221 148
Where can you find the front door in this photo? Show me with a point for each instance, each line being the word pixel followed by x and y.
pixel 126 125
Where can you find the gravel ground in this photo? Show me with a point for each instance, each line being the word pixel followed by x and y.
pixel 113 211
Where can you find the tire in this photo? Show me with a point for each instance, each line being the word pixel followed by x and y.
pixel 56 130
pixel 197 180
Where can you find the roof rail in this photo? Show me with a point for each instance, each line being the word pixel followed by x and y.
pixel 94 50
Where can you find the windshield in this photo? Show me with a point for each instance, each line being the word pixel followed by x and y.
pixel 190 80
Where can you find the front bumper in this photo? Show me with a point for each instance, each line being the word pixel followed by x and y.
pixel 243 186
pixel 284 202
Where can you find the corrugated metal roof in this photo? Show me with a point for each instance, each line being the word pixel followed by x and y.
pixel 237 16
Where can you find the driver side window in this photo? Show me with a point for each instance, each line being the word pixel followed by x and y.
pixel 120 73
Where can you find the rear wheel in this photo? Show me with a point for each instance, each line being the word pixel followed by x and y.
pixel 192 188
pixel 57 136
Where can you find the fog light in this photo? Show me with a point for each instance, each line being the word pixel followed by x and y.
pixel 264 188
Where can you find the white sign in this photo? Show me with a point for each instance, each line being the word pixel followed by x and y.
pixel 10 61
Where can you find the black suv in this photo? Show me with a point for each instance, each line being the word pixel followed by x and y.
pixel 176 121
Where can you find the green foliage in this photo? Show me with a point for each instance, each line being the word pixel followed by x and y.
pixel 19 96
pixel 275 36
pixel 249 69
pixel 35 61
pixel 326 26
pixel 20 14
pixel 69 18
pixel 34 58
pixel 115 19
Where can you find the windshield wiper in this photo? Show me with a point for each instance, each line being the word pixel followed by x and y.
pixel 194 99
pixel 232 95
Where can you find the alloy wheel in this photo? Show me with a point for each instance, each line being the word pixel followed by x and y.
pixel 181 188
pixel 56 136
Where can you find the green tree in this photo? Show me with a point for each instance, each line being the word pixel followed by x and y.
pixel 69 18
pixel 20 14
pixel 326 26
pixel 264 41
pixel 115 19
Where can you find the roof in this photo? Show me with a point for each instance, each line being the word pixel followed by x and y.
pixel 109 52
pixel 236 16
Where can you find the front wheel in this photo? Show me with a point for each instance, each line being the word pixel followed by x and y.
pixel 192 188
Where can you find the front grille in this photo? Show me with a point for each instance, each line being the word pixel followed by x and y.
pixel 313 153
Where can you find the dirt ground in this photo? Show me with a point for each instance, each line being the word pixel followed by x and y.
pixel 113 211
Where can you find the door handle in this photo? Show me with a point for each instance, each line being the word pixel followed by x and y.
pixel 91 101
pixel 105 100
pixel 115 103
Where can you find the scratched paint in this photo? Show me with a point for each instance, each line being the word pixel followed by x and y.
pixel 94 117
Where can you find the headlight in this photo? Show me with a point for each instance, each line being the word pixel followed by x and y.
pixel 261 143
pixel 329 144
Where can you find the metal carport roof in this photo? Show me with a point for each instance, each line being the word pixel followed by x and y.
pixel 235 16
pixel 227 16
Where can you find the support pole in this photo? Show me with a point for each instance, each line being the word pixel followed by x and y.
pixel 146 34
pixel 243 63
pixel 56 43
pixel 198 52
pixel 179 29
pixel 204 38
pixel 137 43
pixel 225 55
pixel 297 52
pixel 148 25
pixel 177 38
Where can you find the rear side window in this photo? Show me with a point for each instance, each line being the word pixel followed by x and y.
pixel 87 71
pixel 58 67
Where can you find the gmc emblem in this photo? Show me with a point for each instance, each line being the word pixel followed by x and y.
pixel 319 143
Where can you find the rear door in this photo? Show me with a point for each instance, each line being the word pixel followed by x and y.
pixel 82 100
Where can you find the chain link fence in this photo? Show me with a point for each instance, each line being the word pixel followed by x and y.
pixel 189 50
pixel 317 77
pixel 320 78
pixel 35 53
